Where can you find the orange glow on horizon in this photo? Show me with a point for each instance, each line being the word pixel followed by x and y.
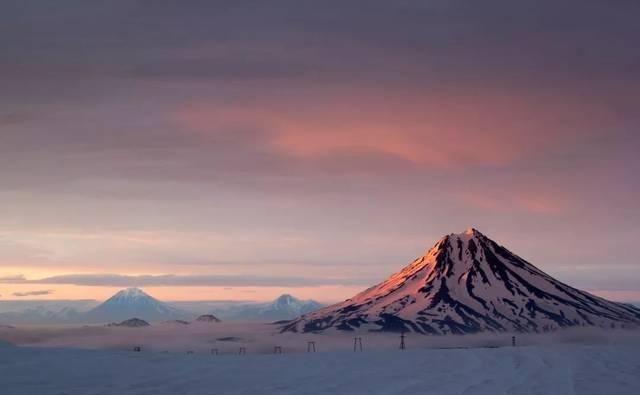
pixel 196 293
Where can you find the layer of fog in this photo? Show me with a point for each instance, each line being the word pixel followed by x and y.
pixel 228 337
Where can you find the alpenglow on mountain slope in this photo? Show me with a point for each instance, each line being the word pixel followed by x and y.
pixel 467 283
pixel 134 303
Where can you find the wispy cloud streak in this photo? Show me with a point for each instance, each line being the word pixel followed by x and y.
pixel 118 280
pixel 34 293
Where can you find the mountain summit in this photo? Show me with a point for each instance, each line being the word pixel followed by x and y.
pixel 134 302
pixel 467 283
pixel 285 307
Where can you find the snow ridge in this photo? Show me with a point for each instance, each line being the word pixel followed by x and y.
pixel 467 283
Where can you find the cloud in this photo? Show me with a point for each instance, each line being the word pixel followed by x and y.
pixel 537 201
pixel 13 279
pixel 339 120
pixel 436 128
pixel 15 118
pixel 118 280
pixel 222 69
pixel 34 293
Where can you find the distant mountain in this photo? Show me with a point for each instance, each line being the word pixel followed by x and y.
pixel 133 302
pixel 131 323
pixel 467 283
pixel 285 307
pixel 207 318
pixel 40 314
pixel 43 311
pixel 81 305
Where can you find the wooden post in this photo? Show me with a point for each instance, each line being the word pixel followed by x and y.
pixel 513 341
pixel 402 345
pixel 214 351
pixel 277 350
pixel 242 351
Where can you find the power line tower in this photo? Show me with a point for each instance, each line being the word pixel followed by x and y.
pixel 357 344
pixel 311 346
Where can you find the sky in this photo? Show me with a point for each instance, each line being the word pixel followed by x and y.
pixel 238 150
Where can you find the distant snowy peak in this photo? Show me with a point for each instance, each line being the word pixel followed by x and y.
pixel 131 294
pixel 134 302
pixel 286 300
pixel 291 303
pixel 285 307
pixel 467 283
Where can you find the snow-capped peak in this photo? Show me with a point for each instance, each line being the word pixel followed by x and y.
pixel 469 231
pixel 467 234
pixel 468 283
pixel 286 299
pixel 131 293
pixel 134 302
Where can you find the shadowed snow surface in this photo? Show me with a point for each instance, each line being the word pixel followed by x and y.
pixel 561 370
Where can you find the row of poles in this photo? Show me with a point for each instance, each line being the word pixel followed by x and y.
pixel 311 346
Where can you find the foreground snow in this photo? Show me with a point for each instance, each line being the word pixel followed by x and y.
pixel 558 369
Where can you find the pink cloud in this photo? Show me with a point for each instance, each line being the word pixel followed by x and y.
pixel 427 129
pixel 527 196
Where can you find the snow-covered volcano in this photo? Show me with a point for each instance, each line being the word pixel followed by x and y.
pixel 285 307
pixel 467 283
pixel 134 302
